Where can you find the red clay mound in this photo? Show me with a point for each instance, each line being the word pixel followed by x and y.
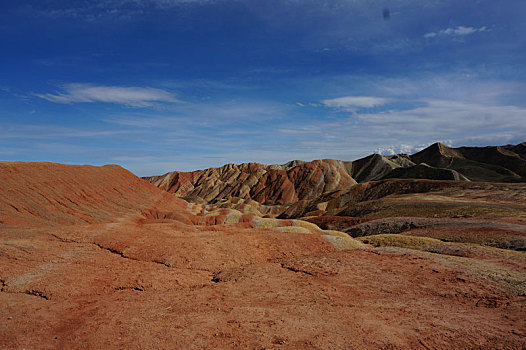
pixel 34 194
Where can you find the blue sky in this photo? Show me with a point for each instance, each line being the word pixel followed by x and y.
pixel 161 85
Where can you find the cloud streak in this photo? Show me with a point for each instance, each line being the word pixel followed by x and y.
pixel 406 130
pixel 24 132
pixel 128 96
pixel 457 31
pixel 108 9
pixel 351 103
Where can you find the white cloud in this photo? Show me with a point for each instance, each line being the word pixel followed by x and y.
pixel 455 123
pixel 439 118
pixel 445 120
pixel 458 31
pixel 129 96
pixel 352 103
pixel 407 148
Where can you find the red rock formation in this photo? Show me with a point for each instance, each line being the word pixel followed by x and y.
pixel 267 184
pixel 299 188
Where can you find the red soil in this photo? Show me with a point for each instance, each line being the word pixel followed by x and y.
pixel 96 258
pixel 49 193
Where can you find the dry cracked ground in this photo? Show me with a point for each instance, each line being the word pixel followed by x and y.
pixel 94 257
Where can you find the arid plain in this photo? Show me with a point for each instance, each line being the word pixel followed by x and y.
pixel 400 252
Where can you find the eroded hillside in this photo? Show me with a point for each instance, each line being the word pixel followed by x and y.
pixel 271 189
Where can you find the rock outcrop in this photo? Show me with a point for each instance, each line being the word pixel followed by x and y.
pixel 302 187
pixel 266 184
pixel 424 171
pixel 492 163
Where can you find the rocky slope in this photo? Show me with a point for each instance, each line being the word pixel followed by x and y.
pixel 429 196
pixel 268 185
pixel 35 194
pixel 495 164
pixel 272 189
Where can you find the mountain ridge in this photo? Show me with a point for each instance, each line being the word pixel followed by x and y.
pixel 297 181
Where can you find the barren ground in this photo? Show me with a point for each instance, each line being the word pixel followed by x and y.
pixel 144 279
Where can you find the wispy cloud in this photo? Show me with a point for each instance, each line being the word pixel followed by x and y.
pixel 128 96
pixel 210 114
pixel 107 9
pixel 439 120
pixel 457 31
pixel 406 130
pixel 352 103
pixel 21 132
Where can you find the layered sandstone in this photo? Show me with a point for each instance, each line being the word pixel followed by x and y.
pixel 273 190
